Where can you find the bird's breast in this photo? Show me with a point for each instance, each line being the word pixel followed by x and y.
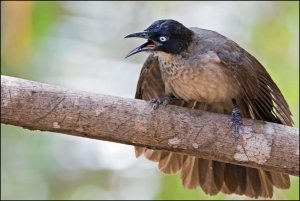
pixel 203 79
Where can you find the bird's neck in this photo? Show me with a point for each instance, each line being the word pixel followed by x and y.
pixel 170 63
pixel 167 63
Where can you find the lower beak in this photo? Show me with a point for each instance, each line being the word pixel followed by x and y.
pixel 149 45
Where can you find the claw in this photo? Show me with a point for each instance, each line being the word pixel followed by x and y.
pixel 236 121
pixel 160 101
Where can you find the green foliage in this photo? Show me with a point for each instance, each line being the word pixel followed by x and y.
pixel 293 192
pixel 44 16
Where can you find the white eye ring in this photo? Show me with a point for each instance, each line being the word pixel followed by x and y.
pixel 163 38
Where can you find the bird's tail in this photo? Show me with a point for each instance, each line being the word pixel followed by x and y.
pixel 213 176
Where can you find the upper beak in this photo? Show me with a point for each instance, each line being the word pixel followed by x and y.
pixel 143 34
pixel 146 46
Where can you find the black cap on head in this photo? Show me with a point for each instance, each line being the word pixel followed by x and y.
pixel 168 36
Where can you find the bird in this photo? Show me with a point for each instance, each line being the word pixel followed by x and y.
pixel 202 69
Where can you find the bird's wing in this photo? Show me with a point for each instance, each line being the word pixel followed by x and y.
pixel 150 84
pixel 264 98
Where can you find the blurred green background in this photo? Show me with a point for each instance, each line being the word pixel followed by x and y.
pixel 80 45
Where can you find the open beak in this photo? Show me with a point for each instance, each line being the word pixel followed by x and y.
pixel 149 45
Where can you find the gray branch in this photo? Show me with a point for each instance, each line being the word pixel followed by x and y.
pixel 38 106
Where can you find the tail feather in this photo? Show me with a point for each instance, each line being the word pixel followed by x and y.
pixel 266 185
pixel 218 168
pixel 152 155
pixel 171 164
pixel 214 176
pixel 208 176
pixel 240 176
pixel 229 177
pixel 280 180
pixel 138 151
pixel 253 183
pixel 190 173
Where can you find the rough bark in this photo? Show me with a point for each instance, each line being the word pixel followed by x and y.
pixel 39 106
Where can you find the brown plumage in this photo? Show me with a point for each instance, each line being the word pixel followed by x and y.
pixel 212 70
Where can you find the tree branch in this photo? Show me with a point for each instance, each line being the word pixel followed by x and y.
pixel 39 106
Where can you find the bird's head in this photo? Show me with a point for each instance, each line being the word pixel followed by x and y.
pixel 168 36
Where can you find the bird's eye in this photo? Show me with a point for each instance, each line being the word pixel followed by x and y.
pixel 163 39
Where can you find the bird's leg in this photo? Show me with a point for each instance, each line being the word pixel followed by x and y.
pixel 160 101
pixel 236 119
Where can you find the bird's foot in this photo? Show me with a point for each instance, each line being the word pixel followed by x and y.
pixel 160 101
pixel 236 121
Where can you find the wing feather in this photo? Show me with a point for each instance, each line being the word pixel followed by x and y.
pixel 261 93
